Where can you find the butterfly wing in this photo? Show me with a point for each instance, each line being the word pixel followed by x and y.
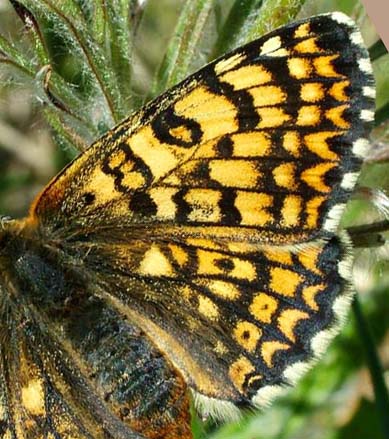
pixel 269 137
pixel 41 392
pixel 231 317
pixel 209 217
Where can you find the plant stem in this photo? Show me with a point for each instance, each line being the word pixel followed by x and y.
pixel 375 368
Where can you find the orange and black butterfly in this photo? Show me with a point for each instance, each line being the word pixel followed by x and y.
pixel 193 251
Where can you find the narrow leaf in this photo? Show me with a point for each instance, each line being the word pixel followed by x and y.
pixel 230 32
pixel 179 54
pixel 273 14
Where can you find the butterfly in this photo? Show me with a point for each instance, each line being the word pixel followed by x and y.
pixel 193 251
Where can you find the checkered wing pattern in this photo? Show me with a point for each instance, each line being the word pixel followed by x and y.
pixel 209 218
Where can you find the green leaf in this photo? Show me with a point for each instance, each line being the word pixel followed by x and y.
pixel 183 44
pixel 230 33
pixel 273 14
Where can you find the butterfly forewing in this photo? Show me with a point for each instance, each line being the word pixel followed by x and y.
pixel 260 139
pixel 208 220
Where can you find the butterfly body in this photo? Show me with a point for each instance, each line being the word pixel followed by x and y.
pixel 194 246
pixel 118 361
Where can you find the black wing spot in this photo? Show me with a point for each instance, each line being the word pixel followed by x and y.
pixel 225 147
pixel 142 204
pixel 89 198
pixel 225 264
pixel 170 128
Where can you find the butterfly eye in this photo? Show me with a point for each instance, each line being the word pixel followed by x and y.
pixel 8 243
pixel 3 240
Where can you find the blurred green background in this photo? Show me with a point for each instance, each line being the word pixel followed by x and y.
pixel 42 127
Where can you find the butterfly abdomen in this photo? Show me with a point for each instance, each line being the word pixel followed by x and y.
pixel 126 370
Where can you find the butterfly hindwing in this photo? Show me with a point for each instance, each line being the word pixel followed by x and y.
pixel 216 307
